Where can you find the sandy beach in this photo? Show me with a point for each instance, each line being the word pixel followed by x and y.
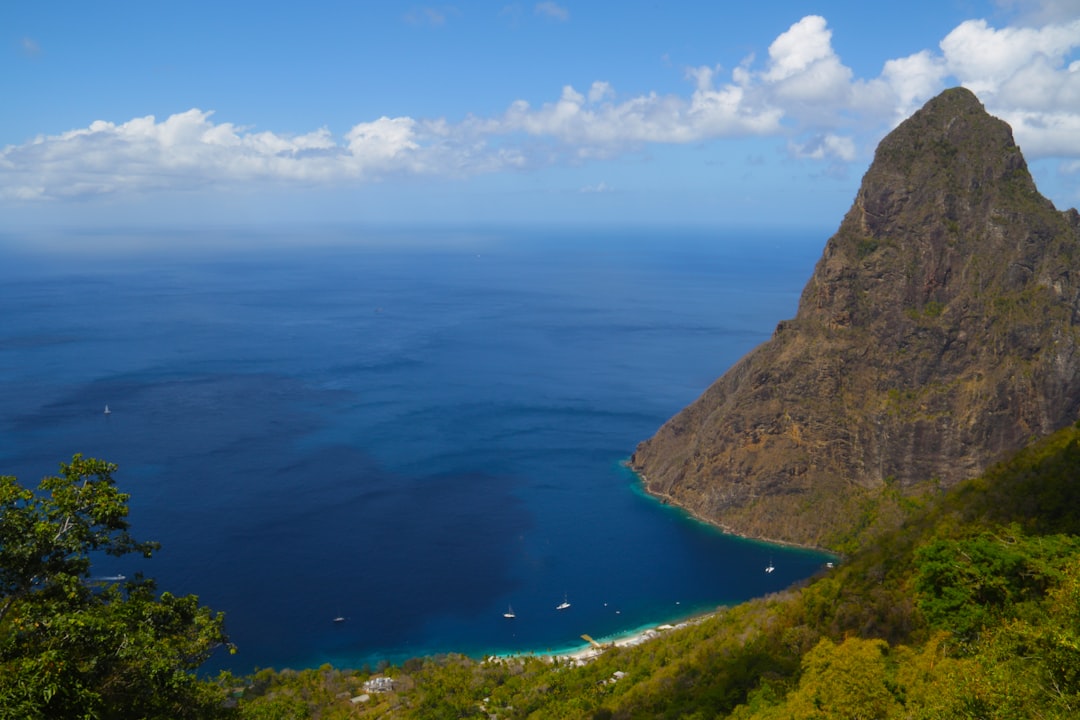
pixel 594 649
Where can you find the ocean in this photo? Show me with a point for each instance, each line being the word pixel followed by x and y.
pixel 410 430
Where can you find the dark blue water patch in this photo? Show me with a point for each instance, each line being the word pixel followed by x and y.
pixel 386 558
pixel 413 439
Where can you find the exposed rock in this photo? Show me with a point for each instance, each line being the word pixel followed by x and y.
pixel 937 333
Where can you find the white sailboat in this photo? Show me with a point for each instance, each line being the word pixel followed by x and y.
pixel 107 410
pixel 770 568
pixel 564 604
pixel 509 612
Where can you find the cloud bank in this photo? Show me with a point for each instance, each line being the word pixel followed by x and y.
pixel 801 93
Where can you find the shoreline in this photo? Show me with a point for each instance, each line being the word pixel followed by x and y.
pixel 592 648
pixel 589 651
pixel 667 499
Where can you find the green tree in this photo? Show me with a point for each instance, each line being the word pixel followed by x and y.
pixel 967 584
pixel 852 680
pixel 71 647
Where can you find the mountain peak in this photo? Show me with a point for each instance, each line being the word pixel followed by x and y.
pixel 952 149
pixel 953 140
pixel 937 333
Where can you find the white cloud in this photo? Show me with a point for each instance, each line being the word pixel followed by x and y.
pixel 805 77
pixel 1025 76
pixel 825 147
pixel 913 79
pixel 805 44
pixel 609 126
pixel 986 59
pixel 189 150
pixel 1045 134
pixel 600 91
pixel 802 94
pixel 383 140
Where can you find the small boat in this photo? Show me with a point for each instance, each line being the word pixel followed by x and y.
pixel 563 605
pixel 509 612
pixel 770 568
pixel 339 619
pixel 107 410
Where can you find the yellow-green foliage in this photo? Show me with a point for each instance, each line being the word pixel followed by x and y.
pixel 323 693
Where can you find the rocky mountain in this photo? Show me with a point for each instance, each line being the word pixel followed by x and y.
pixel 938 332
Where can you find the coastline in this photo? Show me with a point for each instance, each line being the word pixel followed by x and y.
pixel 589 651
pixel 666 499
pixel 592 648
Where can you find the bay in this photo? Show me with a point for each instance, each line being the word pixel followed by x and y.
pixel 412 430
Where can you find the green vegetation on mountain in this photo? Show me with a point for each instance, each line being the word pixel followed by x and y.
pixel 938 334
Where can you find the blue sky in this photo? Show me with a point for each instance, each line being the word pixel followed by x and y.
pixel 673 113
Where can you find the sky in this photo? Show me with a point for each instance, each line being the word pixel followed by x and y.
pixel 638 112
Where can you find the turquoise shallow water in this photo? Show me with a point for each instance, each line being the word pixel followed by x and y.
pixel 412 431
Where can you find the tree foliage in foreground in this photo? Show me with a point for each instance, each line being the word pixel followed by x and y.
pixel 73 647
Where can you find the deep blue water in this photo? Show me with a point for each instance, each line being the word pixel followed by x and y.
pixel 410 430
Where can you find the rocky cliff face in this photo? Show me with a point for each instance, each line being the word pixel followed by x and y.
pixel 939 331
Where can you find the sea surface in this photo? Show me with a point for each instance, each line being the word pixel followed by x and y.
pixel 411 430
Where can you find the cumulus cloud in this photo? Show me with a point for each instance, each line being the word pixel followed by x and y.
pixel 188 150
pixel 1026 76
pixel 600 91
pixel 1046 134
pixel 605 125
pixel 803 66
pixel 800 92
pixel 989 60
pixel 912 80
